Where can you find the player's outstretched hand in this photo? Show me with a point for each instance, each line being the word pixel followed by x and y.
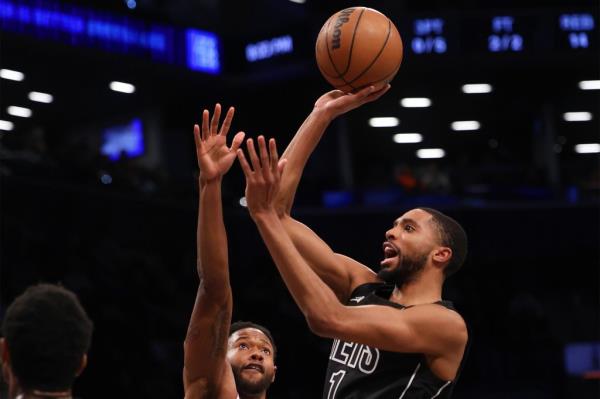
pixel 336 102
pixel 214 157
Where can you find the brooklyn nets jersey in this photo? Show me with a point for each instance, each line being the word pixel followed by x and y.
pixel 357 371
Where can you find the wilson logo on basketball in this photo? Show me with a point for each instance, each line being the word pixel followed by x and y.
pixel 337 31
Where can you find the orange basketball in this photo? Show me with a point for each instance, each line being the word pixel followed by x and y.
pixel 357 47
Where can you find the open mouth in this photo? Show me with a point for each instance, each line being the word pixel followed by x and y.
pixel 255 366
pixel 390 252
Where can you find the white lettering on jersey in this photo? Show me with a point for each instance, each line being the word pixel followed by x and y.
pixel 357 299
pixel 351 354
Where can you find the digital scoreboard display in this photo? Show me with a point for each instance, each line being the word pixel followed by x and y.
pixel 534 32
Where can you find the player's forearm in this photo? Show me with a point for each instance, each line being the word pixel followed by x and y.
pixel 212 260
pixel 316 300
pixel 297 153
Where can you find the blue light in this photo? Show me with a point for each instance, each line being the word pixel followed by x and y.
pixel 428 26
pixel 576 22
pixel 269 48
pixel 202 51
pixel 505 43
pixel 578 40
pixel 195 49
pixel 127 140
pixel 131 4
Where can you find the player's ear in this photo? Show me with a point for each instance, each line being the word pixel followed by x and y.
pixel 442 255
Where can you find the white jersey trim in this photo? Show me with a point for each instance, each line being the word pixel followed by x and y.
pixel 441 389
pixel 410 381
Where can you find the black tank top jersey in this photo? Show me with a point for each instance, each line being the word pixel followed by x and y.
pixel 357 371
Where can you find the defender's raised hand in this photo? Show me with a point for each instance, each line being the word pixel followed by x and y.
pixel 263 177
pixel 214 157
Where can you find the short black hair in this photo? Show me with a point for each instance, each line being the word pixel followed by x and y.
pixel 240 325
pixel 452 235
pixel 47 332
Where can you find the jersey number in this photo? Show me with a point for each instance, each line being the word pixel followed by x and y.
pixel 335 380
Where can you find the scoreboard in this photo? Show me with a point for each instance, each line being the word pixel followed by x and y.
pixel 535 32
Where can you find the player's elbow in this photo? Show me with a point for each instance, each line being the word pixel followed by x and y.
pixel 323 324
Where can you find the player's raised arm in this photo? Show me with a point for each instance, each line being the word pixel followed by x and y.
pixel 341 273
pixel 206 371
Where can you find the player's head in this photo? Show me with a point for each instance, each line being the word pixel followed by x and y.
pixel 419 237
pixel 251 352
pixel 47 334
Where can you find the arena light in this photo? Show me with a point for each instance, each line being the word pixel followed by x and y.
pixel 431 153
pixel 406 138
pixel 243 202
pixel 21 112
pixel 9 74
pixel 6 125
pixel 384 122
pixel 587 148
pixel 415 102
pixel 477 88
pixel 461 126
pixel 122 87
pixel 298 1
pixel 589 85
pixel 577 116
pixel 41 97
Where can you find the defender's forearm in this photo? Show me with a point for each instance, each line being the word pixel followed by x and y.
pixel 212 258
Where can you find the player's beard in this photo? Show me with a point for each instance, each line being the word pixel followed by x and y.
pixel 406 272
pixel 243 385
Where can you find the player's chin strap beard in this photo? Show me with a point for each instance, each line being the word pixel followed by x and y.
pixel 36 394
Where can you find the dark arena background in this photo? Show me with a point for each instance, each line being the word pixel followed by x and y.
pixel 493 118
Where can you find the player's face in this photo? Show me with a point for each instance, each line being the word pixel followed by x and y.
pixel 250 354
pixel 408 246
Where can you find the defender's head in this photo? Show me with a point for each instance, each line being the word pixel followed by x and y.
pixel 251 353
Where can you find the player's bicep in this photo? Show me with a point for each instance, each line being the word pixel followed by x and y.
pixel 429 329
pixel 205 345
pixel 337 271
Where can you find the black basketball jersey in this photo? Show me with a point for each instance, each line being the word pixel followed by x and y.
pixel 357 371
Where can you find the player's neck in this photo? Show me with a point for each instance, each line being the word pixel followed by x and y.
pixel 418 292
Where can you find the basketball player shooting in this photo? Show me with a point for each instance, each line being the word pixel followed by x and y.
pixel 394 336
pixel 220 361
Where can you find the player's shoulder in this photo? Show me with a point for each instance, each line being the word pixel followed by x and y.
pixel 446 320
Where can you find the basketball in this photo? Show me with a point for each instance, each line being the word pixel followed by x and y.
pixel 357 47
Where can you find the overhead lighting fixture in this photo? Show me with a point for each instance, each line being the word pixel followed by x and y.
pixel 122 87
pixel 19 111
pixel 406 138
pixel 243 202
pixel 431 153
pixel 298 1
pixel 588 148
pixel 577 116
pixel 384 122
pixel 9 74
pixel 6 125
pixel 589 85
pixel 41 97
pixel 461 126
pixel 477 88
pixel 415 102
